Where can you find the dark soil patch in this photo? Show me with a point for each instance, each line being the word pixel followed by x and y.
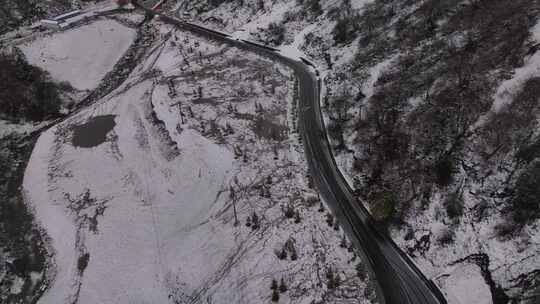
pixel 244 116
pixel 94 132
pixel 267 129
pixel 209 101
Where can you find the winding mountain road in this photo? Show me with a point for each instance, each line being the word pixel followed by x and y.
pixel 399 281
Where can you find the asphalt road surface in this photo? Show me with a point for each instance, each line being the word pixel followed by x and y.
pixel 398 280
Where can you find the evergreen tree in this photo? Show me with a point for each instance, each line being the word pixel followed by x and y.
pixel 343 243
pixel 341 31
pixel 229 129
pixel 350 248
pixel 329 219
pixel 282 286
pixel 275 295
pixel 274 285
pixel 289 211
pixel 337 281
pixel 282 255
pixel 310 182
pixel 315 7
pixel 231 192
pixel 297 218
pixel 255 221
pixel 361 271
pixel 294 255
pixel 331 283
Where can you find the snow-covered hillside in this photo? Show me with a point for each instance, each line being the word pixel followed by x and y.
pixel 178 176
pixel 432 108
pixel 195 139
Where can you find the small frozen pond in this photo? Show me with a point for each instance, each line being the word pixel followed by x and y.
pixel 94 132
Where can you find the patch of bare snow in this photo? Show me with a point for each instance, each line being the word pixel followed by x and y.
pixel 466 285
pixel 507 90
pixel 358 4
pixel 368 88
pixel 83 55
pixel 293 50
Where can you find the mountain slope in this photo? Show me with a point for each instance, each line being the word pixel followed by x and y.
pixel 432 107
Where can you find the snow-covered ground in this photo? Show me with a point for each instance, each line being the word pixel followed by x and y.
pixel 201 130
pixel 82 55
pixel 147 216
pixel 465 284
pixel 508 260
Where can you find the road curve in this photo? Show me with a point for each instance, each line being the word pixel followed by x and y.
pixel 399 281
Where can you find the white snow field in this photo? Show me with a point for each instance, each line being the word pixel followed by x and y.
pixel 82 55
pixel 149 201
pixel 147 216
pixel 465 285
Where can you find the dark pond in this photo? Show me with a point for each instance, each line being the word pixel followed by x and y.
pixel 94 132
